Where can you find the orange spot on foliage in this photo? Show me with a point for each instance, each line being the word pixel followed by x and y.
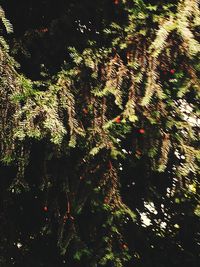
pixel 118 119
pixel 142 131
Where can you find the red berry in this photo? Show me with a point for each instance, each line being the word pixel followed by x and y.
pixel 138 152
pixel 116 2
pixel 172 71
pixel 142 131
pixel 45 208
pixel 117 120
pixel 124 246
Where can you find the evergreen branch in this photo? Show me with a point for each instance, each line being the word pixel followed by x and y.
pixel 8 26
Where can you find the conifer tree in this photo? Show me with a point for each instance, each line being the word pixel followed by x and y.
pixel 103 153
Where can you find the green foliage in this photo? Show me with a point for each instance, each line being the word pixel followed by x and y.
pixel 5 21
pixel 130 104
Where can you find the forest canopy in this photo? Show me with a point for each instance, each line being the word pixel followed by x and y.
pixel 99 133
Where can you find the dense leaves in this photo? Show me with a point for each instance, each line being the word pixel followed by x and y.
pixel 99 133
